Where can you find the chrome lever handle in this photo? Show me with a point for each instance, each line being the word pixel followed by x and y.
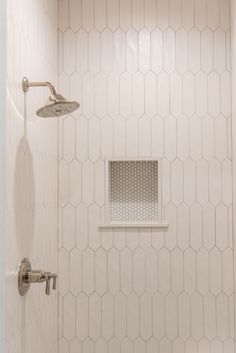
pixel 54 283
pixel 47 291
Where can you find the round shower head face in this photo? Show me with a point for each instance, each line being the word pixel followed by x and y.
pixel 57 106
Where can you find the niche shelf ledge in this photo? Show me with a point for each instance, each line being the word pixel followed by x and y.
pixel 133 225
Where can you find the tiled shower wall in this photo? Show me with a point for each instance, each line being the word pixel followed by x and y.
pixel 31 175
pixel 153 79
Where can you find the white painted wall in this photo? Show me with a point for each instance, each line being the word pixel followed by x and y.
pixel 153 79
pixel 31 175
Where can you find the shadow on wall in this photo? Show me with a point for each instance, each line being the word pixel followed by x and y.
pixel 24 197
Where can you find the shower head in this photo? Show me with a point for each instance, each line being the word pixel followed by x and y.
pixel 56 104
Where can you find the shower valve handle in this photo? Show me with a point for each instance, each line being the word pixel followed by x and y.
pixel 50 276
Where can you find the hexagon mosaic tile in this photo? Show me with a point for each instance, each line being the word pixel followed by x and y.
pixel 153 79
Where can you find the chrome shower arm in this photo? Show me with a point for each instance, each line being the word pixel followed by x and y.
pixel 26 85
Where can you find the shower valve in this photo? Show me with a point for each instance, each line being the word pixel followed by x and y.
pixel 26 276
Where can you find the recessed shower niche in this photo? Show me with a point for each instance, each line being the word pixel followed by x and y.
pixel 133 193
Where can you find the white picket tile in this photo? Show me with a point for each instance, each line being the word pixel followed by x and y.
pixel 169 50
pixel 63 14
pixel 68 228
pixel 132 137
pixel 176 94
pixel 215 271
pixel 94 128
pixel 214 182
pixel 188 11
pixel 183 138
pixel 145 316
pixel 225 88
pixel 139 271
pixel 171 316
pixel 194 50
pixel 81 138
pixel 188 94
pixel 201 94
pixel 216 345
pixel 119 50
pixel 145 137
pixel 101 271
pixel 100 14
pixel 195 137
pixel 175 14
pixel 107 238
pixel 125 14
pixel 126 346
pixel 113 271
pixel 158 315
pixel 150 8
pixel 151 271
pixel 113 14
pixel 164 271
pixel 100 346
pixel 151 94
pixel 202 182
pixel 152 345
pixel 75 271
pixel 208 138
pixel 200 14
pixel 69 139
pixel 156 51
pixel 213 14
pixel 190 270
pixel 63 260
pixel 138 95
pixel 191 346
pixel 107 316
pixel 75 183
pixel 203 271
pixel 219 50
pixel 94 316
pixel 99 182
pixel 227 271
pixel 100 86
pixel 213 94
pixel 183 226
pixel 125 94
pixel 126 271
pixel 113 95
pixel 196 316
pixel 189 182
pixel 222 316
pixel 87 14
pixel 88 186
pixel 184 315
pixel 163 97
pixel 166 181
pixel 119 137
pixel 170 138
pixel 63 182
pixel 94 49
pixel 196 226
pixel 144 42
pixel 69 52
pixel 225 14
pixel 81 226
pixel 207 50
pixel 131 51
pixel 222 226
pixel 170 235
pixel 69 317
pixel 181 50
pixel 120 311
pixel 75 15
pixel 163 9
pixel 227 182
pixel 88 345
pixel 221 128
pixel 208 226
pixel 75 346
pixel 88 271
pixel 145 239
pixel 209 316
pixel 106 138
pixel 87 104
pixel 132 316
pixel 177 271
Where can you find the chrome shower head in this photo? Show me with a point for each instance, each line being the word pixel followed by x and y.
pixel 56 104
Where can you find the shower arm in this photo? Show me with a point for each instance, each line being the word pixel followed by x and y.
pixel 26 85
